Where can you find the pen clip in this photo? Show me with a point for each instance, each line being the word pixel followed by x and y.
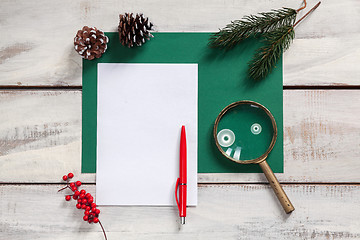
pixel 176 190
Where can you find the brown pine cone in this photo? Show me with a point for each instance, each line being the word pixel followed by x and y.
pixel 134 31
pixel 90 43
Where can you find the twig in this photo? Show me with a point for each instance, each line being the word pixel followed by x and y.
pixel 103 230
pixel 272 45
pixel 302 7
pixel 63 188
pixel 300 19
pixel 307 14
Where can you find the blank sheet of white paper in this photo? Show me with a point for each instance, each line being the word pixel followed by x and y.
pixel 140 111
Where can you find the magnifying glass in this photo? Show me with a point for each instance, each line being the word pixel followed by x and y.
pixel 245 132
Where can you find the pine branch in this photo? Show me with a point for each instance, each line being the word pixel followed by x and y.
pixel 276 42
pixel 251 25
pixel 267 56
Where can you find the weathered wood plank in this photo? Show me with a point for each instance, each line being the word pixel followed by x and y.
pixel 40 52
pixel 40 134
pixel 40 137
pixel 321 139
pixel 223 212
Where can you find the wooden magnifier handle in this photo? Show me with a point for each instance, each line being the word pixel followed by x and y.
pixel 279 191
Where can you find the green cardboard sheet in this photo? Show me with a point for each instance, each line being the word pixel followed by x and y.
pixel 222 80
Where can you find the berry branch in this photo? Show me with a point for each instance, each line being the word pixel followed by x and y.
pixel 85 201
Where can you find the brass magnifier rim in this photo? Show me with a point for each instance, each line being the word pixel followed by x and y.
pixel 273 140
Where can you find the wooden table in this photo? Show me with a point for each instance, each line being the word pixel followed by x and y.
pixel 40 127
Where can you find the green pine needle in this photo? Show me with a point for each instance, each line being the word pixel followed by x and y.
pixel 267 56
pixel 251 25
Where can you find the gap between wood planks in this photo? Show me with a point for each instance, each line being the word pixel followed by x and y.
pixel 288 87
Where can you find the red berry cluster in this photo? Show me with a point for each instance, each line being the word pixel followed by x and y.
pixel 85 201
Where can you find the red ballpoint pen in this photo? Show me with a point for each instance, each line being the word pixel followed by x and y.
pixel 182 180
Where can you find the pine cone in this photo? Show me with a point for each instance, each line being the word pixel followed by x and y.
pixel 134 30
pixel 90 43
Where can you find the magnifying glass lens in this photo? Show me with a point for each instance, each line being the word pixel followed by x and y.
pixel 245 132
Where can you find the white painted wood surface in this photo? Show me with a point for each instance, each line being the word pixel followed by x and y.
pixel 40 136
pixel 40 130
pixel 37 49
pixel 224 212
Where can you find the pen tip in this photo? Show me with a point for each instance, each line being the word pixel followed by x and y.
pixel 182 220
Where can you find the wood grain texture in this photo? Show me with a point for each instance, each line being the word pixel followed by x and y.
pixel 40 134
pixel 38 47
pixel 40 131
pixel 223 212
